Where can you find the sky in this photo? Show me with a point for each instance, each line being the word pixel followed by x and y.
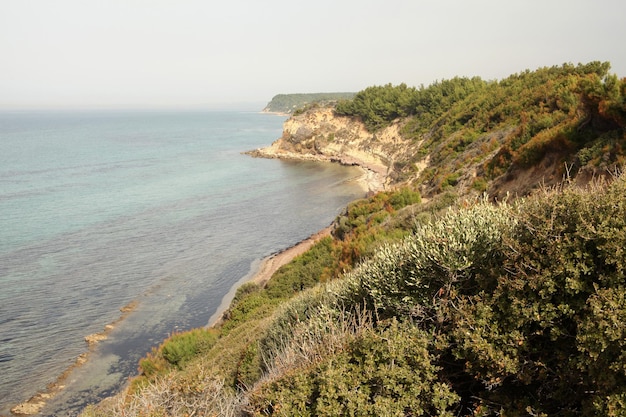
pixel 209 54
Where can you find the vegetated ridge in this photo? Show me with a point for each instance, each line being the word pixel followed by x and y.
pixel 288 103
pixel 469 134
pixel 503 292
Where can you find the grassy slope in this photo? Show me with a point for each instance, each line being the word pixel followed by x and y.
pixel 516 308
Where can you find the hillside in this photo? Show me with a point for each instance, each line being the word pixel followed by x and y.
pixel 467 135
pixel 289 103
pixel 487 278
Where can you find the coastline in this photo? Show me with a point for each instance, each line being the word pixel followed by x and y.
pixel 266 269
pixel 260 275
pixel 374 178
pixel 370 181
pixel 38 401
pixel 272 263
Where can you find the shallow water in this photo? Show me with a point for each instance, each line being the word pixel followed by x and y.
pixel 100 209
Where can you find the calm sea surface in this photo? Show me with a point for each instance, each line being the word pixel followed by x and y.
pixel 99 209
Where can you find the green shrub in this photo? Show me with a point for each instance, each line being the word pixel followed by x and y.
pixel 549 335
pixel 447 255
pixel 480 185
pixel 389 371
pixel 181 347
pixel 527 304
pixel 176 351
pixel 366 225
pixel 302 272
pixel 244 290
pixel 249 367
pixel 404 197
pixel 251 306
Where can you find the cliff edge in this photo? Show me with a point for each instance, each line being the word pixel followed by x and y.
pixel 320 135
pixel 467 136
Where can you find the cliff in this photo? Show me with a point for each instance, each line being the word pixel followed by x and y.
pixel 320 135
pixel 392 159
pixel 469 136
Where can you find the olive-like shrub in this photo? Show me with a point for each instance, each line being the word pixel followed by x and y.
pixel 521 309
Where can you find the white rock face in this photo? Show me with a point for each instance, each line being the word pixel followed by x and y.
pixel 320 135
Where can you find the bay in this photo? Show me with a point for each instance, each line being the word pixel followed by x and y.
pixel 161 209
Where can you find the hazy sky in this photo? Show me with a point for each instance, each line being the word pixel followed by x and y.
pixel 208 53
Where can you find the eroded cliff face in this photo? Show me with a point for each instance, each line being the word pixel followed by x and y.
pixel 321 135
pixel 390 159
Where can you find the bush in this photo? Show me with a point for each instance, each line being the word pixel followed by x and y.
pixel 440 258
pixel 565 296
pixel 302 272
pixel 177 350
pixel 181 347
pixel 251 306
pixel 548 336
pixel 524 305
pixel 389 371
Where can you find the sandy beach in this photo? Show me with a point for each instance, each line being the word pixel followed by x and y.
pixel 272 263
pixel 370 181
pixel 266 269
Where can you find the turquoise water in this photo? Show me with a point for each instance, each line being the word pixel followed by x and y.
pixel 98 209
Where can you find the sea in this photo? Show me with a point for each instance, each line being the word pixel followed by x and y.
pixel 158 209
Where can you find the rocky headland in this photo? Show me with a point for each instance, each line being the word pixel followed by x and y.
pixel 321 135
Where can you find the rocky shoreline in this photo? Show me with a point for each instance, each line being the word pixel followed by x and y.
pixel 374 176
pixel 36 403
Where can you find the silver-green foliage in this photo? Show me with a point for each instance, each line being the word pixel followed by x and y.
pixel 324 330
pixel 442 256
pixel 403 278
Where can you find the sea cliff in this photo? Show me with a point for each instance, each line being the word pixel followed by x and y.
pixel 320 135
pixel 469 136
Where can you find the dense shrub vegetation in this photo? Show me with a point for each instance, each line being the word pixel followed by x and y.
pixel 450 306
pixel 288 103
pixel 573 113
pixel 378 106
pixel 484 309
